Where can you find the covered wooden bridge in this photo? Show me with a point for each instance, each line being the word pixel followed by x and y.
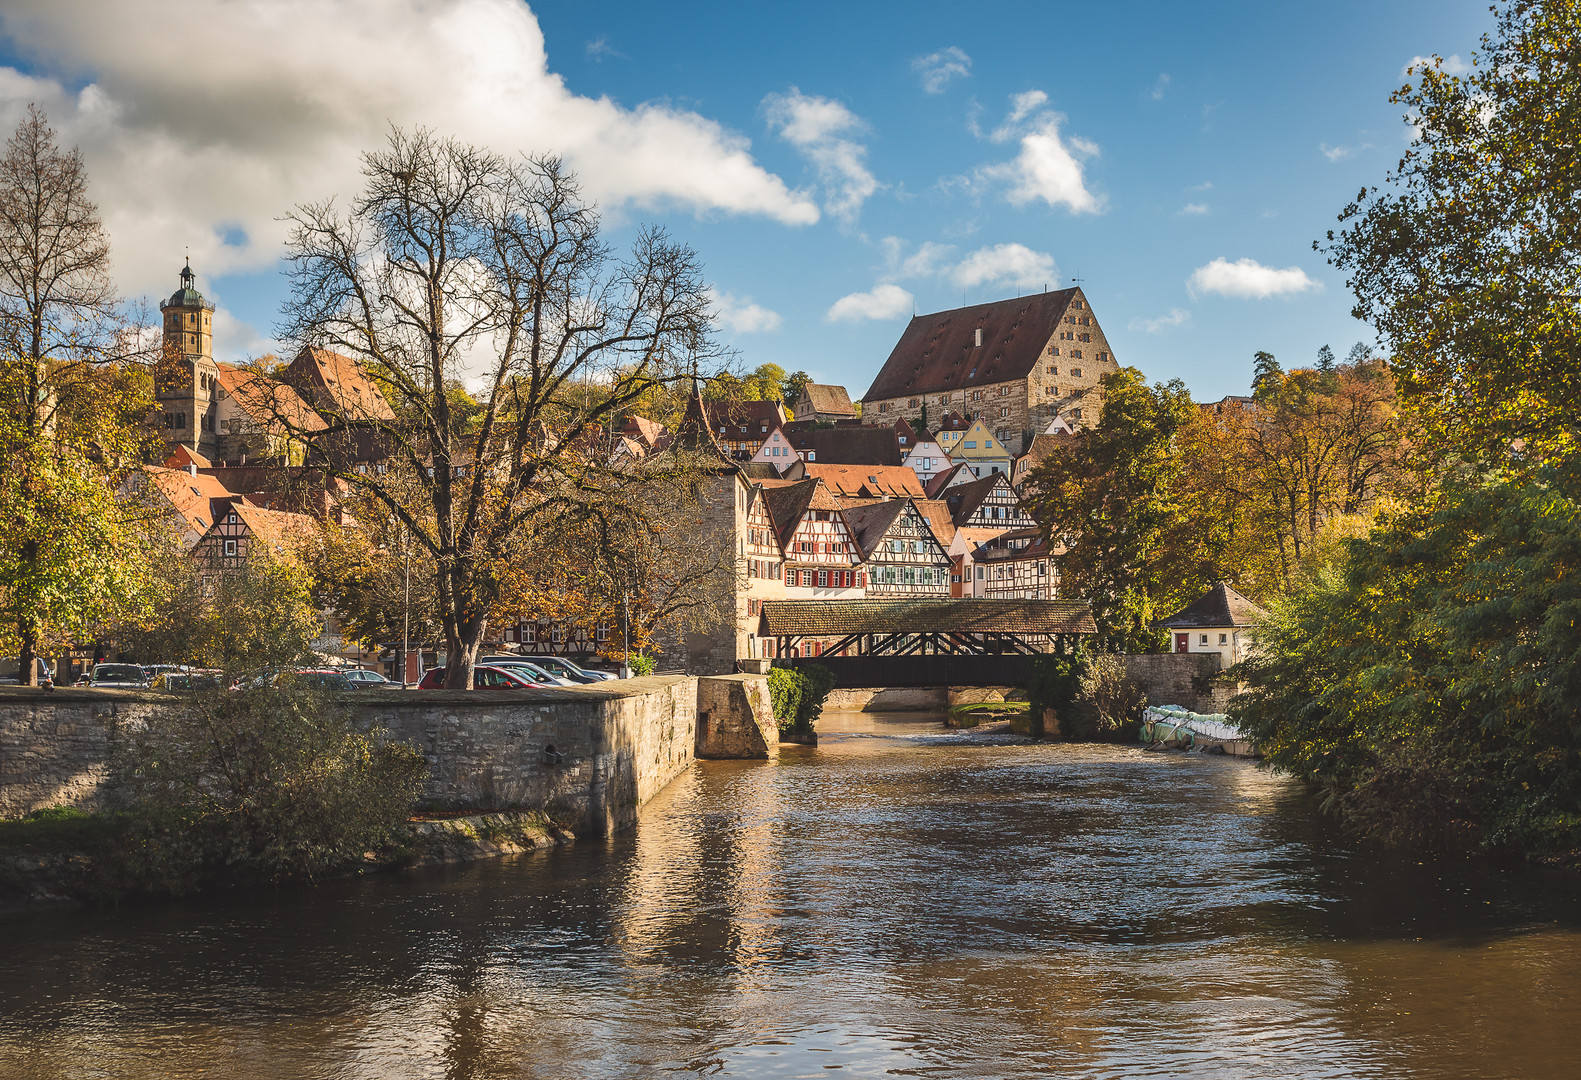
pixel 923 641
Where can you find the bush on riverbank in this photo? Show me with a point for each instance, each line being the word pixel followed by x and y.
pixel 1082 698
pixel 268 784
pixel 1431 687
pixel 798 694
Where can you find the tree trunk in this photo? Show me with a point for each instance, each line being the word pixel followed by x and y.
pixel 27 651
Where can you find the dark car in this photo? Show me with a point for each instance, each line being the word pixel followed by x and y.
pixel 115 677
pixel 363 679
pixel 11 671
pixel 333 680
pixel 486 677
pixel 186 682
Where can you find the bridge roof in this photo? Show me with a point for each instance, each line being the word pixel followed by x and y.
pixel 925 615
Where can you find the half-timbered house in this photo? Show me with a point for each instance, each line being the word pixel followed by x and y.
pixel 901 553
pixel 988 503
pixel 822 561
pixel 1015 565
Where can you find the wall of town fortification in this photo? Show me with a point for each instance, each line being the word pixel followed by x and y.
pixel 590 757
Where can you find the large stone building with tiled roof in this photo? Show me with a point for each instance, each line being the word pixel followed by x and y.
pixel 1013 364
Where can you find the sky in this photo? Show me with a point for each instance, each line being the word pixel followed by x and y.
pixel 837 167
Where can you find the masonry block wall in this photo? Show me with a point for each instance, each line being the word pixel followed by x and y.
pixel 590 756
pixel 1181 679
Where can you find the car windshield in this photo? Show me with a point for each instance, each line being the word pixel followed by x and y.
pixel 117 673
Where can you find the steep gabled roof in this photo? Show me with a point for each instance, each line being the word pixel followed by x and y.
pixel 848 445
pixel 281 530
pixel 338 385
pixel 939 352
pixel 191 496
pixel 183 456
pixel 787 503
pixel 759 470
pixel 1004 547
pixel 867 480
pixel 1219 606
pixel 952 477
pixel 937 515
pixel 1040 449
pixel 268 403
pixel 828 399
pixel 953 421
pixel 871 522
pixel 744 419
pixel 964 499
pixel 645 432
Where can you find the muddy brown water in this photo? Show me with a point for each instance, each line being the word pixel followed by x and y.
pixel 899 901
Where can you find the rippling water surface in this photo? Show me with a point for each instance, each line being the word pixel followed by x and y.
pixel 896 902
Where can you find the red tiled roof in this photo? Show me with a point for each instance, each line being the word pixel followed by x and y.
pixel 191 496
pixel 946 479
pixel 268 403
pixel 339 385
pixel 829 399
pixel 866 480
pixel 939 352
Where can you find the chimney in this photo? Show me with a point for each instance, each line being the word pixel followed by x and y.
pixel 979 337
pixel 192 467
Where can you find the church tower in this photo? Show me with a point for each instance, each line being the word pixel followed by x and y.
pixel 186 386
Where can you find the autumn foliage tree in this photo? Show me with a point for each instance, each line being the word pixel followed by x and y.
pixel 456 263
pixel 73 395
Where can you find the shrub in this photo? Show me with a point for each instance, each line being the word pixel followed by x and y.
pixel 266 784
pixel 1088 698
pixel 798 694
pixel 1051 694
pixel 642 664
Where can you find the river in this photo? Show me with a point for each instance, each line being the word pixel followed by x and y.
pixel 899 901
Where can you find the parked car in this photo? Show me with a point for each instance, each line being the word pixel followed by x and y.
pixel 115 677
pixel 533 670
pixel 363 679
pixel 334 680
pixel 152 672
pixel 484 677
pixel 186 682
pixel 557 666
pixel 11 671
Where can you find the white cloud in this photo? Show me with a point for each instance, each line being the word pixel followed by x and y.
pixel 880 302
pixel 819 128
pixel 742 316
pixel 1005 264
pixel 927 260
pixel 1048 168
pixel 940 68
pixel 1176 317
pixel 1194 208
pixel 205 137
pixel 1021 106
pixel 1249 280
pixel 600 48
pixel 1160 86
pixel 1452 65
pixel 1340 153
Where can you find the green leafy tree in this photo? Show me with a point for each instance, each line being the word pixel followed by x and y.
pixel 1429 686
pixel 1267 374
pixel 71 405
pixel 1119 498
pixel 1325 360
pixel 1468 258
pixel 765 383
pixel 795 383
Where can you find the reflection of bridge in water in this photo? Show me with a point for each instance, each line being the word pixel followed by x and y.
pixel 924 641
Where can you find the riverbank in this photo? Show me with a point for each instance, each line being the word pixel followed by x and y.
pixel 69 859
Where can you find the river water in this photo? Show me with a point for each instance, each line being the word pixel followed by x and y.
pixel 899 901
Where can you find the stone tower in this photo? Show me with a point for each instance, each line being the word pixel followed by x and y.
pixel 188 379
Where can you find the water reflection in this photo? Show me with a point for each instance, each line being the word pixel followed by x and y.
pixel 898 901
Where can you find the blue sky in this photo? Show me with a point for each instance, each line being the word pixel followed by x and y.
pixel 949 154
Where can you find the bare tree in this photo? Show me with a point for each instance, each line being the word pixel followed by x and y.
pixel 71 409
pixel 457 264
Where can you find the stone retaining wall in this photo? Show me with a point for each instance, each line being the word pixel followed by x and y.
pixel 1184 679
pixel 589 757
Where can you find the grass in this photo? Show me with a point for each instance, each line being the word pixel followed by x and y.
pixel 1000 708
pixel 56 829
